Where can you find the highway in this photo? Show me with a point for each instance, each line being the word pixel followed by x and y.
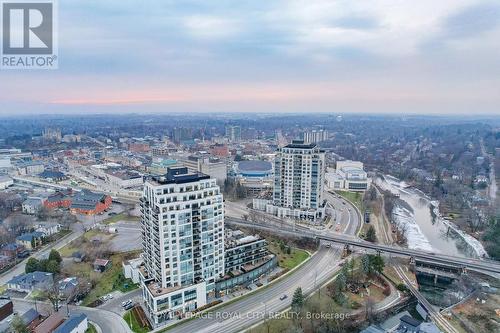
pixel 245 313
pixel 251 309
pixel 483 266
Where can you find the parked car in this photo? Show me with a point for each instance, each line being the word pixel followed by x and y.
pixel 130 306
pixel 126 303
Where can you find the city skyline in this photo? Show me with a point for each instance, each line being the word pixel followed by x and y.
pixel 297 56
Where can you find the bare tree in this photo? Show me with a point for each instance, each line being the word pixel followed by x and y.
pixel 369 308
pixel 67 219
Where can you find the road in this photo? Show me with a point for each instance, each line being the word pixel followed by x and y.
pixel 489 267
pixel 77 229
pixel 252 308
pixel 106 320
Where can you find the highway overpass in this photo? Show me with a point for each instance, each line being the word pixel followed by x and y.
pixel 480 265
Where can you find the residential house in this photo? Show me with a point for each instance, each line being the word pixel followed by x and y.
pixel 12 250
pixel 67 286
pixel 31 281
pixel 30 240
pixel 4 261
pixel 408 324
pixel 78 256
pixel 31 319
pixel 100 265
pixel 50 323
pixel 48 228
pixel 32 205
pixel 76 323
pixel 6 308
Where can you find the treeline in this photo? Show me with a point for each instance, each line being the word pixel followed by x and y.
pixel 52 264
pixel 234 190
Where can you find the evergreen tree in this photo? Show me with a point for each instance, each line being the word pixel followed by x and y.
pixel 371 235
pixel 341 281
pixel 377 263
pixel 53 266
pixel 365 264
pixel 18 326
pixel 338 295
pixel 32 265
pixel 297 300
pixel 54 255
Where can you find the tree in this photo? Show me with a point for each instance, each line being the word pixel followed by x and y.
pixel 54 255
pixel 18 325
pixel 297 300
pixel 52 266
pixel 67 219
pixel 53 295
pixel 337 291
pixel 241 192
pixel 371 234
pixel 43 213
pixel 369 307
pixel 341 280
pixel 377 263
pixel 365 264
pixel 32 265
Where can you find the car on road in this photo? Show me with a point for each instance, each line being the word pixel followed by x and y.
pixel 126 303
pixel 130 306
pixel 283 297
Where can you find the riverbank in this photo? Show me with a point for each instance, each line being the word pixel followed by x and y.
pixel 419 219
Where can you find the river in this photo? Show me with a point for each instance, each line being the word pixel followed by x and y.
pixel 424 229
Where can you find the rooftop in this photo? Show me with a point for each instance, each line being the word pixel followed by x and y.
pixel 179 175
pixel 255 165
pixel 69 325
pixel 300 144
pixel 156 290
pixel 29 316
pixel 31 278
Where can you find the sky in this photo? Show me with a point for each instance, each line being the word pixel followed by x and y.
pixel 373 56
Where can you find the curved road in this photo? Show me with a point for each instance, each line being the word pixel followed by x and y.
pixel 250 310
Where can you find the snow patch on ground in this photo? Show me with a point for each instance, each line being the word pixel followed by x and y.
pixel 405 220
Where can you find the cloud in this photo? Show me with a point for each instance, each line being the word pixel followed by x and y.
pixel 211 27
pixel 162 52
pixel 472 21
pixel 357 22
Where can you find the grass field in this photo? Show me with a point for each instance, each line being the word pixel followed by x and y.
pixel 355 197
pixel 288 261
pixel 106 282
pixel 121 217
pixel 70 248
pixel 132 322
pixel 91 329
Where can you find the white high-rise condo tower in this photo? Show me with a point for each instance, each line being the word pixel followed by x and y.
pixel 299 176
pixel 182 220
